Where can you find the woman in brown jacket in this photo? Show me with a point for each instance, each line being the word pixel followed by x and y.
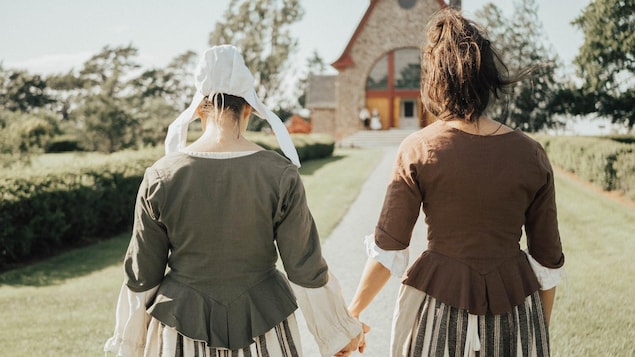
pixel 473 291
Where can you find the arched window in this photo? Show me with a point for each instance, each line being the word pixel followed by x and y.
pixel 378 77
pixel 406 71
pixel 392 87
pixel 407 68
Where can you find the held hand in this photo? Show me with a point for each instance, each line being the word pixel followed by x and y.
pixel 362 346
pixel 357 343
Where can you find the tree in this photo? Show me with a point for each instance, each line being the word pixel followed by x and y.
pixel 66 92
pixel 314 65
pixel 152 104
pixel 174 83
pixel 529 102
pixel 24 134
pixel 22 91
pixel 261 29
pixel 181 70
pixel 106 109
pixel 105 72
pixel 158 94
pixel 606 60
pixel 108 127
pixel 492 19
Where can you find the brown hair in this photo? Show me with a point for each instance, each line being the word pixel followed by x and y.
pixel 222 102
pixel 459 68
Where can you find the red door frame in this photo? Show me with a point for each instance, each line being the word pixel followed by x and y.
pixel 391 92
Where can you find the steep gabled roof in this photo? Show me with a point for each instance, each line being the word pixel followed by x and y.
pixel 345 59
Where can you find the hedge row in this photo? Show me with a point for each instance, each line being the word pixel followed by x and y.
pixel 309 146
pixel 40 211
pixel 603 161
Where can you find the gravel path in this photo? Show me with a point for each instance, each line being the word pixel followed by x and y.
pixel 344 251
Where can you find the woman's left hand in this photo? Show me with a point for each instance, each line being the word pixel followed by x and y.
pixel 357 343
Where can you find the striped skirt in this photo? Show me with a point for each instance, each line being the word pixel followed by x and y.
pixel 281 341
pixel 423 326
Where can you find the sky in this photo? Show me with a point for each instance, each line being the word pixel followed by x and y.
pixel 53 36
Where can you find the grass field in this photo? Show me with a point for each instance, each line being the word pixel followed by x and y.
pixel 65 306
pixel 594 313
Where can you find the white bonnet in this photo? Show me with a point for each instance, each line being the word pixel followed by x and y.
pixel 222 69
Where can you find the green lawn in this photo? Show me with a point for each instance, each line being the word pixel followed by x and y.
pixel 65 306
pixel 594 313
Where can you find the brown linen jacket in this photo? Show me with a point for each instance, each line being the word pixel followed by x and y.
pixel 477 193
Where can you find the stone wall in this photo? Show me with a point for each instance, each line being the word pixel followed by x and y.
pixel 387 28
pixel 323 120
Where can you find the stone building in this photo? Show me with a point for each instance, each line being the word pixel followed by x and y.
pixel 379 70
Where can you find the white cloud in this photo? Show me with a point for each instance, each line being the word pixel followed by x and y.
pixel 64 62
pixel 51 63
pixel 150 60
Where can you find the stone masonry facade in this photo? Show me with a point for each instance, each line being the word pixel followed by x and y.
pixel 385 27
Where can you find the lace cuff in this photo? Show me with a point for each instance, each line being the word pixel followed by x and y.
pixel 394 260
pixel 326 316
pixel 131 323
pixel 548 278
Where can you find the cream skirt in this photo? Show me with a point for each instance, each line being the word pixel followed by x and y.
pixel 423 326
pixel 281 341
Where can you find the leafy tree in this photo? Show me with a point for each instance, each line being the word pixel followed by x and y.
pixel 261 29
pixel 158 94
pixel 174 83
pixel 151 104
pixel 105 72
pixel 22 91
pixel 181 81
pixel 497 25
pixel 108 127
pixel 315 65
pixel 24 134
pixel 114 106
pixel 105 112
pixel 154 116
pixel 66 92
pixel 529 103
pixel 606 60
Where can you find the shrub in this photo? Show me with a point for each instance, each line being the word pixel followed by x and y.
pixel 607 163
pixel 86 196
pixel 63 143
pixel 43 210
pixel 309 146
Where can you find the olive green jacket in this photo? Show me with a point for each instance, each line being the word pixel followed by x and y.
pixel 208 232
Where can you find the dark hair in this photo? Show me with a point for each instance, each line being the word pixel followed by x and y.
pixel 460 69
pixel 229 102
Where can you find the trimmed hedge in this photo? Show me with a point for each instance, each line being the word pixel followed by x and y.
pixel 41 211
pixel 309 146
pixel 92 198
pixel 65 143
pixel 601 160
